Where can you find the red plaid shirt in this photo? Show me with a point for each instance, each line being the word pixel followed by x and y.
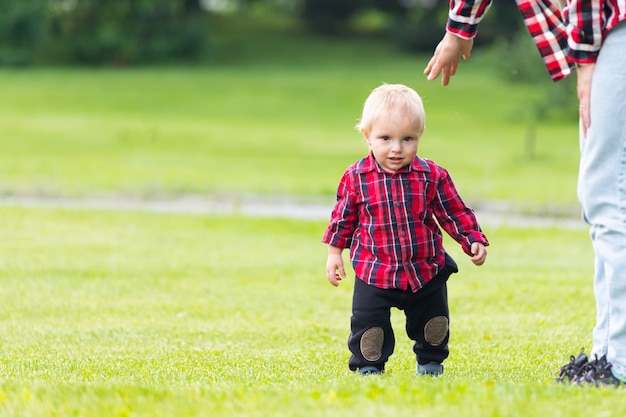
pixel 388 221
pixel 564 38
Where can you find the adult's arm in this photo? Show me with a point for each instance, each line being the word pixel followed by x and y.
pixel 584 38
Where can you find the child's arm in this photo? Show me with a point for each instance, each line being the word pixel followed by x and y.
pixel 458 220
pixel 335 271
pixel 479 253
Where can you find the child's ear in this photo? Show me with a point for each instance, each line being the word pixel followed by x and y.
pixel 366 136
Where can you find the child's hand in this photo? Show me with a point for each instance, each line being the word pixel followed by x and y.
pixel 479 253
pixel 334 269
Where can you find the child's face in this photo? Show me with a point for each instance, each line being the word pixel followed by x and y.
pixel 393 140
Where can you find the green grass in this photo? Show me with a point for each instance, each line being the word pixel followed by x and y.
pixel 132 314
pixel 144 314
pixel 277 120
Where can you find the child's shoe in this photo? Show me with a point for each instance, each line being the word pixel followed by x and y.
pixel 430 369
pixel 370 370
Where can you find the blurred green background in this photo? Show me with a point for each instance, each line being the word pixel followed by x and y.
pixel 253 102
pixel 163 98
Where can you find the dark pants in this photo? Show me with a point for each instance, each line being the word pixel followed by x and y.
pixel 372 339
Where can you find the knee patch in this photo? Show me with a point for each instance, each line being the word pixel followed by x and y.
pixel 372 343
pixel 436 330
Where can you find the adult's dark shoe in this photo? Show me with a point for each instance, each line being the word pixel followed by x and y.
pixel 597 372
pixel 570 370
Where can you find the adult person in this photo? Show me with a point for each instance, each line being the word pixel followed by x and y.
pixel 590 35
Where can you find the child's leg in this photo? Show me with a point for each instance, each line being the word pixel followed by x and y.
pixel 371 338
pixel 427 323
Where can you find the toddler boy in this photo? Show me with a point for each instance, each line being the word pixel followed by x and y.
pixel 389 208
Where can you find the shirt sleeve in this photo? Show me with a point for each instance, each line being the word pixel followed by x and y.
pixel 344 216
pixel 546 24
pixel 584 30
pixel 454 216
pixel 465 15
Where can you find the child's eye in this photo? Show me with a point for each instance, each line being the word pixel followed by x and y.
pixel 408 139
pixel 384 137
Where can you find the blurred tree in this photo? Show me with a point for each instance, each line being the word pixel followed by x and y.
pixel 420 26
pixel 22 27
pixel 100 32
pixel 502 22
pixel 329 16
pixel 416 25
pixel 125 32
pixel 518 61
pixel 193 6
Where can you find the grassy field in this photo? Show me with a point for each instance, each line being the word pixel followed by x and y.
pixel 280 124
pixel 123 313
pixel 135 314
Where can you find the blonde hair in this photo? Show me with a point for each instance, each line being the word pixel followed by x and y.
pixel 392 98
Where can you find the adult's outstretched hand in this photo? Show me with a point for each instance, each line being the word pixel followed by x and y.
pixel 447 56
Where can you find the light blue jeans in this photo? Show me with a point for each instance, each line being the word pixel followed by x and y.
pixel 602 193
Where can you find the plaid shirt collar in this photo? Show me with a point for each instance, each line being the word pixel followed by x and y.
pixel 369 164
